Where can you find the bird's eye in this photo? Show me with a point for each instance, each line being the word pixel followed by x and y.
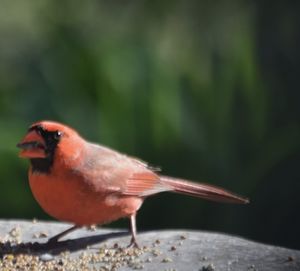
pixel 57 135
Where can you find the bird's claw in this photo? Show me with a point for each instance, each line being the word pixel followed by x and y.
pixel 133 244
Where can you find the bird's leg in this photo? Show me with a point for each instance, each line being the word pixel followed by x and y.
pixel 133 242
pixel 55 238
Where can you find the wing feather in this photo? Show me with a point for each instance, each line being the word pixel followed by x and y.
pixel 145 184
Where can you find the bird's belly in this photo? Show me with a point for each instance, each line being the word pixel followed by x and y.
pixel 73 200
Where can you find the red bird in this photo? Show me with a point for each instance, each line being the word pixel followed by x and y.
pixel 84 183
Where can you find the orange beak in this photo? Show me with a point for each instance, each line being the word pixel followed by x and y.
pixel 32 146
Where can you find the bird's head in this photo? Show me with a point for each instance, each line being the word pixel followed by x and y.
pixel 45 139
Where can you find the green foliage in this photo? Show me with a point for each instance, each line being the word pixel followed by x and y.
pixel 206 90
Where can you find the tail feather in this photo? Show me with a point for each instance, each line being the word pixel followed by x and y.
pixel 201 190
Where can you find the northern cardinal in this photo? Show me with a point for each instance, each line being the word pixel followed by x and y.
pixel 80 182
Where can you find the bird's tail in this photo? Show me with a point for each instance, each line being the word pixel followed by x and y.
pixel 201 190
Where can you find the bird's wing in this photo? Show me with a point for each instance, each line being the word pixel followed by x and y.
pixel 108 171
pixel 144 184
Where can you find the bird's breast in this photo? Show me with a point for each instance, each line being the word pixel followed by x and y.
pixel 66 196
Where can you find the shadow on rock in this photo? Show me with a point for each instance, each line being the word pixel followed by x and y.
pixel 55 248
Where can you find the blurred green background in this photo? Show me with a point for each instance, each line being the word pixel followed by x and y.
pixel 207 90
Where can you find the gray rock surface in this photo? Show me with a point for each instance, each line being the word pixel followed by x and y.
pixel 24 245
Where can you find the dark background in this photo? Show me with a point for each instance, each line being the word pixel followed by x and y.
pixel 208 90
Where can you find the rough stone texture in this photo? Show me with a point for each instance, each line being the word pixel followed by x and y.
pixel 162 250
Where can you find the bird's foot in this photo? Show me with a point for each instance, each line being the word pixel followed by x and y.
pixel 133 243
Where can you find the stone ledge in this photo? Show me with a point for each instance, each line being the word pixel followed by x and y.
pixel 23 244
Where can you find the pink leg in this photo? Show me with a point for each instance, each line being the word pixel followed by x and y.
pixel 133 242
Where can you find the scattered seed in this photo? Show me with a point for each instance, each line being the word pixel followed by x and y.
pixel 116 245
pixel 9 257
pixel 40 235
pixel 167 260
pixel 15 232
pixel 92 228
pixel 183 237
pixel 173 248
pixel 209 267
pixel 252 267
pixel 106 258
pixel 43 234
pixel 145 248
pixel 137 266
pixel 156 252
pixel 149 260
pixel 46 257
